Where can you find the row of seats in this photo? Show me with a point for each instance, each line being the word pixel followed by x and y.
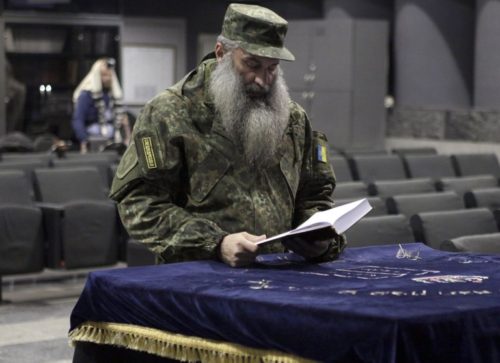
pixel 105 162
pixel 453 230
pixel 389 188
pixel 53 155
pixel 68 213
pixel 390 167
pixel 418 150
pixel 449 202
pixel 62 218
pixel 410 204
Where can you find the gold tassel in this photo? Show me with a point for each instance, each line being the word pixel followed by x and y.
pixel 175 346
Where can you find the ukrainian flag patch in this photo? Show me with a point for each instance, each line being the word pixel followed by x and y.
pixel 321 153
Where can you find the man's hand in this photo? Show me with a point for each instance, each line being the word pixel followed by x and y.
pixel 239 249
pixel 311 244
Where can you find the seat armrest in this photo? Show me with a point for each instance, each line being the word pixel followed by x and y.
pixel 53 215
pixel 496 214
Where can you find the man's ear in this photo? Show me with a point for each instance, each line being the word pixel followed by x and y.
pixel 219 51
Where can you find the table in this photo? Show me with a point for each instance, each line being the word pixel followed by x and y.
pixel 391 303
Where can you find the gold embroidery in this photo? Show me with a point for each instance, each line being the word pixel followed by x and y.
pixel 148 153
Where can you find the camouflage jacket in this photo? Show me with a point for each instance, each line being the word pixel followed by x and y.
pixel 181 186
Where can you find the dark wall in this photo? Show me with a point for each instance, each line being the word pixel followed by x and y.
pixel 202 16
pixel 360 9
pixel 206 17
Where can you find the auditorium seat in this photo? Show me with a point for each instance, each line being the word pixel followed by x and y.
pixel 24 165
pixel 378 205
pixel 476 164
pixel 341 168
pixel 350 152
pixel 44 157
pixel 460 185
pixel 414 151
pixel 432 228
pixel 138 254
pixel 483 198
pixel 378 230
pixel 21 235
pixel 111 156
pixel 81 222
pixel 377 167
pixel 101 163
pixel 387 188
pixel 429 166
pixel 483 243
pixel 410 204
pixel 354 189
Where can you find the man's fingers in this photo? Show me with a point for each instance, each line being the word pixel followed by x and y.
pixel 239 249
pixel 249 245
pixel 254 238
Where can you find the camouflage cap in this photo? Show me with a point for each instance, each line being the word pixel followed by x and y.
pixel 257 30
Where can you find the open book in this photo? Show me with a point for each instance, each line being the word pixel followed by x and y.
pixel 339 218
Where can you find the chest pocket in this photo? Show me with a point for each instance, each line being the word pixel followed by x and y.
pixel 207 174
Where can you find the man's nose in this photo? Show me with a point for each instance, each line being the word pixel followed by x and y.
pixel 259 80
pixel 262 78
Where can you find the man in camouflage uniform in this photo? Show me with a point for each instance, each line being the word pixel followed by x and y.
pixel 224 158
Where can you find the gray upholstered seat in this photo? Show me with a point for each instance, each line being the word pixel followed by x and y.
pixel 82 223
pixel 429 166
pixel 476 164
pixel 484 243
pixel 341 168
pixel 21 235
pixel 354 189
pixel 410 204
pixel 414 150
pixel 102 165
pixel 25 165
pixel 460 185
pixel 433 228
pixel 484 197
pixel 387 188
pixel 378 167
pixel 378 230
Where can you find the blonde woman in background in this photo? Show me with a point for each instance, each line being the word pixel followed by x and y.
pixel 95 106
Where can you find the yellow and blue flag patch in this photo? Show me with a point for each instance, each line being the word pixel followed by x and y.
pixel 321 153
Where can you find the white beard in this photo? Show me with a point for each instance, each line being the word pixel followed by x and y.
pixel 257 124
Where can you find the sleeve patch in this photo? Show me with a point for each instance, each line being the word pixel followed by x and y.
pixel 321 153
pixel 149 153
pixel 128 162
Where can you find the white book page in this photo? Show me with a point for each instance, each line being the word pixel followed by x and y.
pixel 341 218
pixel 358 210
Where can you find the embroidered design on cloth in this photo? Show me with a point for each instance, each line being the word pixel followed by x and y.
pixel 379 272
pixel 261 284
pixel 469 259
pixel 446 279
pixel 412 255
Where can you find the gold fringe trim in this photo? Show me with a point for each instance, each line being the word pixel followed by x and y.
pixel 175 346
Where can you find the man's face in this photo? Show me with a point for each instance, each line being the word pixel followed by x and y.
pixel 258 73
pixel 251 96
